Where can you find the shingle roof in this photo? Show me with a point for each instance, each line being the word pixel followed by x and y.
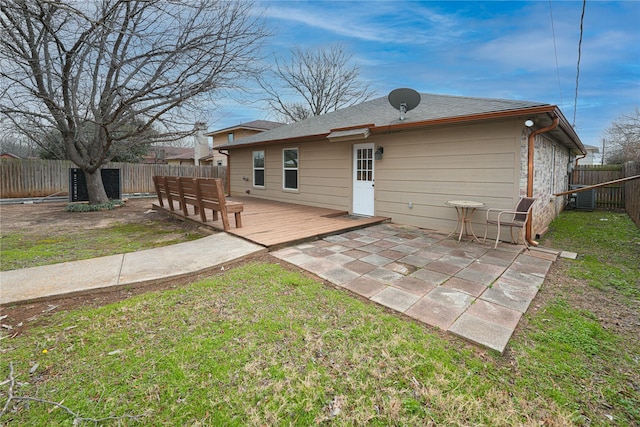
pixel 181 153
pixel 263 125
pixel 379 112
pixel 6 154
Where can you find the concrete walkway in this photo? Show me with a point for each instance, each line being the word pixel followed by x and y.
pixel 72 278
pixel 466 288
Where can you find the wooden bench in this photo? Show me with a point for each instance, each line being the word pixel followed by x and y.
pixel 161 189
pixel 167 187
pixel 201 193
pixel 188 193
pixel 212 197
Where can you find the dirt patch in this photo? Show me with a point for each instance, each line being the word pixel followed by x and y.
pixel 53 219
pixel 619 315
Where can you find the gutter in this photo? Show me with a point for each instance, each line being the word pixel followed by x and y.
pixel 543 109
pixel 400 126
pixel 531 145
pixel 465 119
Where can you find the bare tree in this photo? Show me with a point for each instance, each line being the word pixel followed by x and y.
pixel 321 81
pixel 87 71
pixel 15 143
pixel 623 138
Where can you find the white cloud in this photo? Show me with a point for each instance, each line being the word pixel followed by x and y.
pixel 324 20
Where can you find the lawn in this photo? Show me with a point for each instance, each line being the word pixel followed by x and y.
pixel 34 247
pixel 262 344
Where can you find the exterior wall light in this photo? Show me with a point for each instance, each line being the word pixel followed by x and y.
pixel 528 123
pixel 378 154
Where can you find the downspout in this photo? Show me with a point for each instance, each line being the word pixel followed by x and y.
pixel 532 138
pixel 576 164
pixel 580 158
pixel 227 173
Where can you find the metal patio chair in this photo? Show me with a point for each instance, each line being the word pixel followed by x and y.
pixel 514 218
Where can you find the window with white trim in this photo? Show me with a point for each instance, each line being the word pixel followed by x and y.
pixel 290 168
pixel 258 168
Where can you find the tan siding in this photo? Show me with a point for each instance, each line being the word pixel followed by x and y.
pixel 219 138
pixel 427 168
pixel 451 161
pixel 440 218
pixel 324 178
pixel 455 175
pixel 437 194
pixel 241 167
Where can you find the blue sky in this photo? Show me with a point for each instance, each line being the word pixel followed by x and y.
pixel 494 49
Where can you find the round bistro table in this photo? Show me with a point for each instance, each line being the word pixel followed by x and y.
pixel 464 210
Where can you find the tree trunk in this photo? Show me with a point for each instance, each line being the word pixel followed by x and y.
pixel 95 188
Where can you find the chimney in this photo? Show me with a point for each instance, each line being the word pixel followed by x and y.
pixel 201 144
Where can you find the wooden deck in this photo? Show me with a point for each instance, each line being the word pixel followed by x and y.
pixel 277 224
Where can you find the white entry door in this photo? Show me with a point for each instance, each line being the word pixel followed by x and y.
pixel 363 177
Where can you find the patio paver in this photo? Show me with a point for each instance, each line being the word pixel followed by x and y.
pixel 396 299
pixel 466 288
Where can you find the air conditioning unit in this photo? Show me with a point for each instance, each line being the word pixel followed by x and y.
pixel 585 200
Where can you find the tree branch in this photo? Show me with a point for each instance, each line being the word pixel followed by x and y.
pixel 77 419
pixel 323 79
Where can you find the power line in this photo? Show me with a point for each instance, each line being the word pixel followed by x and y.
pixel 555 51
pixel 575 101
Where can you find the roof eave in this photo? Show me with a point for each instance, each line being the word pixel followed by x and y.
pixel 570 131
pixel 465 118
pixel 543 109
pixel 234 128
pixel 293 140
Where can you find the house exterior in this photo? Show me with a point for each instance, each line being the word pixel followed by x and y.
pixel 233 133
pixel 369 160
pixel 185 158
pixel 591 153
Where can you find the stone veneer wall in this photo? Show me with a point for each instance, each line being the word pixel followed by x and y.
pixel 550 177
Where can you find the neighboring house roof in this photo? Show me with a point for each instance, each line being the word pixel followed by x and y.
pixel 7 155
pixel 181 154
pixel 358 121
pixel 164 152
pixel 208 158
pixel 592 148
pixel 258 125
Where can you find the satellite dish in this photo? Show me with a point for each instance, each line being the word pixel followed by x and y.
pixel 403 100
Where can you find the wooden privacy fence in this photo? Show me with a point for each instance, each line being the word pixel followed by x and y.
pixel 609 197
pixel 42 178
pixel 621 195
pixel 632 191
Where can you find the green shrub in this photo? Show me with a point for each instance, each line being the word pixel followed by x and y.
pixel 85 207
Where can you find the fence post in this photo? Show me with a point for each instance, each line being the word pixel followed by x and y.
pixel 632 191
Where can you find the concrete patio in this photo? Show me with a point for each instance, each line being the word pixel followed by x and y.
pixel 466 288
